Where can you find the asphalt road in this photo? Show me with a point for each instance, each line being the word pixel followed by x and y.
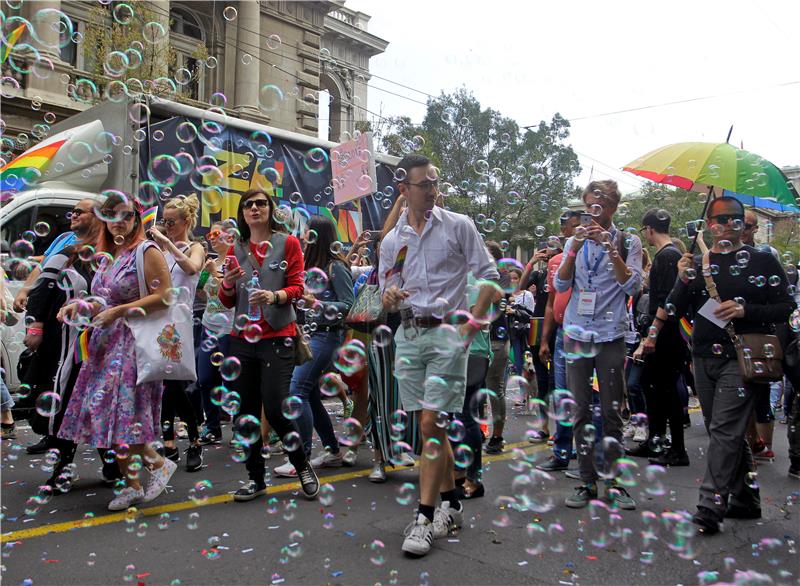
pixel 520 533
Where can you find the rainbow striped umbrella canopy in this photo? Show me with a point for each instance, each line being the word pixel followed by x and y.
pixel 698 166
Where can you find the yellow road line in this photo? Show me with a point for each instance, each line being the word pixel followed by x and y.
pixel 220 499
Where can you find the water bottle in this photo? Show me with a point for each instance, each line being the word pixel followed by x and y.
pixel 253 309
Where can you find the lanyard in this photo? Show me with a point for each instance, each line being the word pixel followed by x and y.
pixel 596 264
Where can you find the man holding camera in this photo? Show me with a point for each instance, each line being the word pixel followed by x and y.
pixel 602 265
pixel 733 285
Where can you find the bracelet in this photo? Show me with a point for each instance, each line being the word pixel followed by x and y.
pixel 227 287
pixel 572 253
pixel 35 331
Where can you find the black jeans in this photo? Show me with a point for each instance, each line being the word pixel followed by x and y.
pixel 659 381
pixel 176 401
pixel 477 367
pixel 266 375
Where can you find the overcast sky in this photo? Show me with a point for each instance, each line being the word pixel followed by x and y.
pixel 530 59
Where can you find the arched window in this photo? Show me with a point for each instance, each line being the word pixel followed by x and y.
pixel 184 22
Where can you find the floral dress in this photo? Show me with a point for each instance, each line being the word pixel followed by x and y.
pixel 107 408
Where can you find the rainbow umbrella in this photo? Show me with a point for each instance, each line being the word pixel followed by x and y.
pixel 702 166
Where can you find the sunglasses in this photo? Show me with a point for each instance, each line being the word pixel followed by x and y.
pixel 168 223
pixel 259 203
pixel 213 235
pixel 751 226
pixel 725 218
pixel 76 213
pixel 124 217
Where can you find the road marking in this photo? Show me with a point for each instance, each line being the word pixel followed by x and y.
pixel 65 526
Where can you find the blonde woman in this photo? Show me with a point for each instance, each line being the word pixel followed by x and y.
pixel 185 259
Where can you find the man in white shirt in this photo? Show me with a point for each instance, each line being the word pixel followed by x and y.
pixel 424 261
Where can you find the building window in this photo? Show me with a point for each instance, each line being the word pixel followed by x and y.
pixel 184 23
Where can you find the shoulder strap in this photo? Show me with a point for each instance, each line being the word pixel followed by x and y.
pixel 143 291
pixel 711 287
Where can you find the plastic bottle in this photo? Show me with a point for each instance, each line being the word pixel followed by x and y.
pixel 253 309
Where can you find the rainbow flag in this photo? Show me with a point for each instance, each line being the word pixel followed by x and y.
pixel 149 215
pixel 686 330
pixel 535 333
pixel 398 263
pixel 10 41
pixel 82 347
pixel 28 167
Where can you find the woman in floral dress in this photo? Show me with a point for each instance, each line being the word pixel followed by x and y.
pixel 107 408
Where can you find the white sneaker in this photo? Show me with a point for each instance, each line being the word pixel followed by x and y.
pixel 327 460
pixel 419 536
pixel 641 434
pixel 445 519
pixel 285 470
pixel 350 457
pixel 628 431
pixel 378 473
pixel 127 497
pixel 403 459
pixel 159 478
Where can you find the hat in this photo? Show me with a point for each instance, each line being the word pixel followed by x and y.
pixel 657 219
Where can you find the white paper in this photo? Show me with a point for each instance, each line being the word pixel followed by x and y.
pixel 707 311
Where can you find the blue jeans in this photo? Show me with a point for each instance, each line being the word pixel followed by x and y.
pixel 305 384
pixel 6 399
pixel 519 344
pixel 636 400
pixel 562 442
pixel 208 377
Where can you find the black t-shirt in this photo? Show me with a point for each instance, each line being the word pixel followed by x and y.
pixel 538 278
pixel 663 273
pixel 763 285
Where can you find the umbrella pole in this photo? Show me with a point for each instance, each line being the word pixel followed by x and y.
pixel 703 215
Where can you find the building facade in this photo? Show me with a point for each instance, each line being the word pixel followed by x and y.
pixel 266 61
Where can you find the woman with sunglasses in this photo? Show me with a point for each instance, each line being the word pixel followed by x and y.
pixel 216 323
pixel 185 259
pixel 324 306
pixel 263 277
pixel 107 408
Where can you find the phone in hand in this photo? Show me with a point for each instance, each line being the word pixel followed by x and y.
pixel 691 229
pixel 542 246
pixel 231 262
pixel 586 219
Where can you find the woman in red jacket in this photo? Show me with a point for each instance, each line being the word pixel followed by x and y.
pixel 263 277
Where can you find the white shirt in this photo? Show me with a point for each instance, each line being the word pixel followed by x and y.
pixel 525 299
pixel 437 262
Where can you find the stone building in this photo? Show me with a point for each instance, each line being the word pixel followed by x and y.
pixel 264 60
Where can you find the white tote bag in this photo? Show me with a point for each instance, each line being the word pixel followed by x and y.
pixel 164 339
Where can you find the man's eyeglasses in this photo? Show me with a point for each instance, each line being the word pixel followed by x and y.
pixel 725 218
pixel 213 235
pixel 75 213
pixel 260 203
pixel 750 226
pixel 170 223
pixel 424 185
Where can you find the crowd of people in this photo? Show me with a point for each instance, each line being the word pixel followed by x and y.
pixel 419 329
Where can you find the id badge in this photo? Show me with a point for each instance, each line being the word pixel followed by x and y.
pixel 586 302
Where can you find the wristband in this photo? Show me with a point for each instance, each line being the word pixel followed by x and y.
pixel 35 331
pixel 572 253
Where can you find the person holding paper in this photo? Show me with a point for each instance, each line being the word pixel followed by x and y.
pixel 753 293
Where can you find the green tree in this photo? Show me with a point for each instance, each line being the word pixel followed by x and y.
pixel 512 181
pixel 127 42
